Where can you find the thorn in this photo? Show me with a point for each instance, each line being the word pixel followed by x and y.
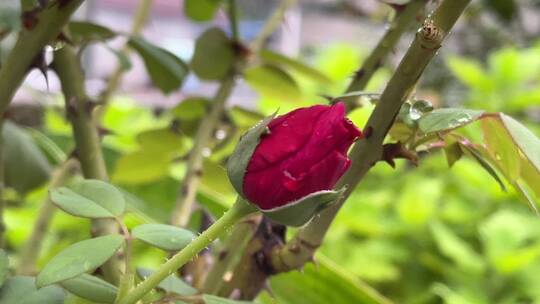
pixel 396 150
pixel 40 63
pixel 368 131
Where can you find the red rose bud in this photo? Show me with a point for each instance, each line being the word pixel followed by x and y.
pixel 305 151
pixel 287 166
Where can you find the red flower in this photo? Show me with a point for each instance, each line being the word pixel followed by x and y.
pixel 305 152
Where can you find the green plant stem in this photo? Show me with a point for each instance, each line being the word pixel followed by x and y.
pixel 233 17
pixel 192 178
pixel 399 25
pixel 126 283
pixel 270 26
pixel 30 252
pixel 368 151
pixel 233 250
pixel 239 210
pixel 141 17
pixel 87 141
pixel 30 42
pixel 2 181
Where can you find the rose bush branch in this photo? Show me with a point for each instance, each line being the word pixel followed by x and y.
pixel 87 140
pixel 31 41
pixel 32 248
pixel 367 152
pixel 404 18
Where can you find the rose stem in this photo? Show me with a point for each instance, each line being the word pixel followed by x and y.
pixel 366 152
pixel 30 251
pixel 239 210
pixel 18 62
pixel 141 16
pixel 401 22
pixel 88 147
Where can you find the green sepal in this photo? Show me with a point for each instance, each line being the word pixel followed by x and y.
pixel 239 159
pixel 299 212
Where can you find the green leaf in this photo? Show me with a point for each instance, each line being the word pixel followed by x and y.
pixel 81 31
pixel 166 237
pixel 90 198
pixel 166 69
pixel 162 142
pixel 4 266
pixel 529 145
pixel 457 249
pixel 279 59
pixel 79 258
pixel 191 108
pixel 214 55
pixel 140 167
pixel 91 288
pixel 26 167
pixel 22 290
pixel 171 284
pixel 480 158
pixel 239 159
pixel 272 81
pixel 323 283
pixel 447 119
pixel 453 153
pixel 211 299
pixel 502 148
pixel 201 10
pixel 299 212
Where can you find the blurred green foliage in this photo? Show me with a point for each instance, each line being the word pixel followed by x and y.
pixel 417 235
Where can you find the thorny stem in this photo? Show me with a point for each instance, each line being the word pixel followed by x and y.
pixel 401 22
pixel 30 42
pixel 239 210
pixel 192 178
pixel 141 17
pixel 368 151
pixel 87 141
pixel 271 24
pixel 32 248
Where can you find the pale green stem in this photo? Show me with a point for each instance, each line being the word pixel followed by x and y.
pixel 192 178
pixel 271 24
pixel 141 16
pixel 239 210
pixel 30 252
pixel 368 151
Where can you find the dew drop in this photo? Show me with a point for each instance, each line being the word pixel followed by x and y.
pixel 284 124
